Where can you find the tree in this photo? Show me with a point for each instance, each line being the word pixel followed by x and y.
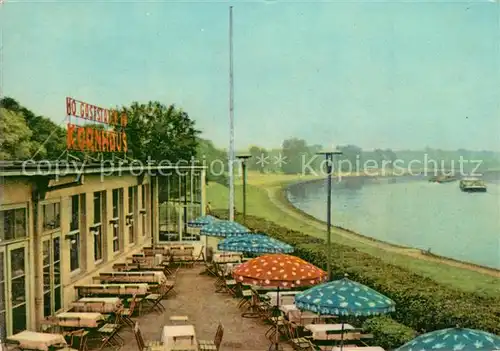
pixel 293 152
pixel 259 160
pixel 350 160
pixel 15 136
pixel 159 132
pixel 215 160
pixel 48 140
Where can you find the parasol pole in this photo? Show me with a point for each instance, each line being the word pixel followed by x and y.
pixel 342 337
pixel 277 336
pixel 231 118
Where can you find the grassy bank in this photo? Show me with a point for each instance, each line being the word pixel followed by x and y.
pixel 264 200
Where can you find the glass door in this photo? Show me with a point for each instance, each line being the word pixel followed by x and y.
pixel 3 293
pixel 17 288
pixel 52 290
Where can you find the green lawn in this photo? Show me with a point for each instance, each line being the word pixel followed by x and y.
pixel 258 204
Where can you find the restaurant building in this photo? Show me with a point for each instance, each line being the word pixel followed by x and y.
pixel 60 229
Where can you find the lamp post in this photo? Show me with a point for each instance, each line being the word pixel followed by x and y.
pixel 329 160
pixel 243 159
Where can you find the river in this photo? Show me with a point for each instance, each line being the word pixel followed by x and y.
pixel 413 212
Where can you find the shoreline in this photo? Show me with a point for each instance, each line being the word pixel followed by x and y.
pixel 278 197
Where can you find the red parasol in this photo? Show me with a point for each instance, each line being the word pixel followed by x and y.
pixel 279 270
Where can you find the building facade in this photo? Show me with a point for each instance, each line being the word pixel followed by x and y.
pixel 60 231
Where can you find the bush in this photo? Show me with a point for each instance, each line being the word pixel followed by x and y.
pixel 421 303
pixel 387 333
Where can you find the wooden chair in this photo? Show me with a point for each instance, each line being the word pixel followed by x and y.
pixel 212 345
pixel 246 297
pixel 140 340
pixel 126 313
pixel 81 335
pixel 108 334
pixel 298 342
pixel 201 256
pixel 155 299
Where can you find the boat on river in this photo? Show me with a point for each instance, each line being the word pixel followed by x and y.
pixel 442 179
pixel 473 185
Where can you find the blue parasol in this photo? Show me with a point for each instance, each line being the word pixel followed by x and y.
pixel 224 229
pixel 255 243
pixel 453 339
pixel 344 298
pixel 201 221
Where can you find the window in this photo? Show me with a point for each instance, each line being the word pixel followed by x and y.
pixel 13 224
pixel 143 196
pixel 74 252
pixel 74 234
pixel 144 189
pixel 51 216
pixel 130 217
pixel 116 219
pixel 116 203
pixel 75 213
pixel 99 201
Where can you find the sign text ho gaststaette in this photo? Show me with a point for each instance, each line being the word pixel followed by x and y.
pixel 95 137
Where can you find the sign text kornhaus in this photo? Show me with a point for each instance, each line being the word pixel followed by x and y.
pixel 103 129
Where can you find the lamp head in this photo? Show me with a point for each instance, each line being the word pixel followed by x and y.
pixel 334 150
pixel 243 157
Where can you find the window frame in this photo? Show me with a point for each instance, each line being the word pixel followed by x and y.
pixel 98 225
pixel 53 202
pixel 16 207
pixel 131 215
pixel 116 220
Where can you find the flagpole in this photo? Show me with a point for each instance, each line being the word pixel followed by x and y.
pixel 231 118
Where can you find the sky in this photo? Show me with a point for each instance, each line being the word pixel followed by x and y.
pixel 401 75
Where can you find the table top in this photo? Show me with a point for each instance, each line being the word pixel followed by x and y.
pixel 178 330
pixel 110 300
pixel 81 315
pixel 124 285
pixel 27 335
pixel 282 293
pixel 139 273
pixel 37 341
pixel 318 328
pixel 171 331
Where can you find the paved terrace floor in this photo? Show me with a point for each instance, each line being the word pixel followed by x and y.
pixel 197 299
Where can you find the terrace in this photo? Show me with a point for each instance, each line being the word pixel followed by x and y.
pixel 116 312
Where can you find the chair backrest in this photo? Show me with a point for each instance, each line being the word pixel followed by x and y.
pixel 132 304
pixel 174 275
pixel 218 336
pixel 138 337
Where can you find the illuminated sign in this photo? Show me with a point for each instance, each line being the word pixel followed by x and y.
pixel 103 129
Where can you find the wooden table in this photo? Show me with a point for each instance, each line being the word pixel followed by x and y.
pixel 319 331
pixel 37 341
pixel 79 319
pixel 285 297
pixel 227 257
pixel 299 317
pixel 148 277
pixel 133 267
pixel 113 289
pixel 98 304
pixel 179 335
